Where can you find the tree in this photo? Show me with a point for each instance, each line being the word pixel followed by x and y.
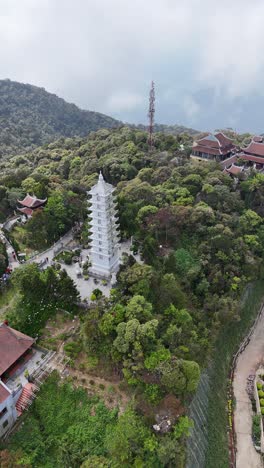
pixel 169 292
pixel 171 452
pixel 139 308
pixel 182 428
pixel 126 442
pixel 180 376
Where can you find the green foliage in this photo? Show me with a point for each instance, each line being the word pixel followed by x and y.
pixel 3 258
pixel 182 428
pixel 72 349
pixel 127 442
pixel 64 427
pixel 256 431
pixel 259 385
pixel 40 296
pixel 32 117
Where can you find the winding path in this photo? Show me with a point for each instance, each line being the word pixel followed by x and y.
pixel 247 363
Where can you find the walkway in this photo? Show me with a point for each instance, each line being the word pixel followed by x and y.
pixel 247 363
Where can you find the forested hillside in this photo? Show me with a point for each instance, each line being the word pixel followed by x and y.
pixel 30 117
pixel 201 239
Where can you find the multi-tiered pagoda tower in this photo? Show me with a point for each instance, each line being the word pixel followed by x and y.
pixel 104 254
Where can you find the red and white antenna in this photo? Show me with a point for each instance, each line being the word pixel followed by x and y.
pixel 151 115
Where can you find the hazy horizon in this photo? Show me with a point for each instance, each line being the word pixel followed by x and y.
pixel 102 56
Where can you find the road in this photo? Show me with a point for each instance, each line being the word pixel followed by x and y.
pixel 247 363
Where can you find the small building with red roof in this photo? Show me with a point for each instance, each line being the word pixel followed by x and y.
pixel 217 147
pixel 253 154
pixel 30 204
pixel 19 357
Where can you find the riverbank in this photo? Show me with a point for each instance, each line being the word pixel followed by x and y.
pixel 226 345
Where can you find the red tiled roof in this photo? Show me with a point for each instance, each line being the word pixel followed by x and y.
pixel 26 211
pixel 207 142
pixel 12 345
pixel 207 150
pixel 4 394
pixel 223 139
pixel 249 157
pixel 257 149
pixel 32 201
pixel 228 162
pixel 258 139
pixel 235 170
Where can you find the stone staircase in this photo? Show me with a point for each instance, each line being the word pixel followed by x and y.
pixel 26 398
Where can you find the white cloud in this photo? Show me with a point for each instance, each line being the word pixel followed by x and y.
pixel 191 107
pixel 103 54
pixel 124 101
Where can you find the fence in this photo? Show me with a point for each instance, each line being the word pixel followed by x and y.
pixel 232 432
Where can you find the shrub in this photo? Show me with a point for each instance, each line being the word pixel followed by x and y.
pixel 261 401
pixel 260 393
pixel 256 427
pixel 97 293
pixel 153 393
pixel 259 386
pixel 72 349
pixel 111 389
pixel 101 386
pixel 93 297
pixel 262 410
pixel 92 362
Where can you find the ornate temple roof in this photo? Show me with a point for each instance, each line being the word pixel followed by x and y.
pixel 256 149
pixel 31 201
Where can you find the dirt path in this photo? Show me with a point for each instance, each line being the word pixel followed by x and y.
pixel 247 363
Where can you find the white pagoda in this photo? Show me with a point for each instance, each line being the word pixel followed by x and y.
pixel 104 253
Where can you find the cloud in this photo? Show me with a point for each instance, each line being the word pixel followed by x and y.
pixel 103 54
pixel 124 101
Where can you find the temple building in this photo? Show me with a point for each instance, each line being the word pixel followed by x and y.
pixel 217 147
pixel 104 253
pixel 253 154
pixel 19 357
pixel 30 204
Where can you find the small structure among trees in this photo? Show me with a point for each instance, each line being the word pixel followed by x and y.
pixel 30 204
pixel 217 147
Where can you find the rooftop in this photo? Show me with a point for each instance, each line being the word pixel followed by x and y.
pixel 250 157
pixel 13 345
pixel 257 149
pixel 32 201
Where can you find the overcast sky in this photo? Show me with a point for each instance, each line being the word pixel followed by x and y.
pixel 205 56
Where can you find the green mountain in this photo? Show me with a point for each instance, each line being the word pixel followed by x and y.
pixel 170 129
pixel 31 117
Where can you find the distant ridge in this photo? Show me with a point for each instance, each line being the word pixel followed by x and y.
pixel 30 117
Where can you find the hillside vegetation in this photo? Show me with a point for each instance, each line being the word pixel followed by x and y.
pixel 201 238
pixel 30 117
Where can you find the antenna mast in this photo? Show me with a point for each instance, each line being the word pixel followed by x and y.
pixel 151 115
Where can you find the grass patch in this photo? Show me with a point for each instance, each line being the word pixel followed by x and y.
pixel 227 344
pixel 8 298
